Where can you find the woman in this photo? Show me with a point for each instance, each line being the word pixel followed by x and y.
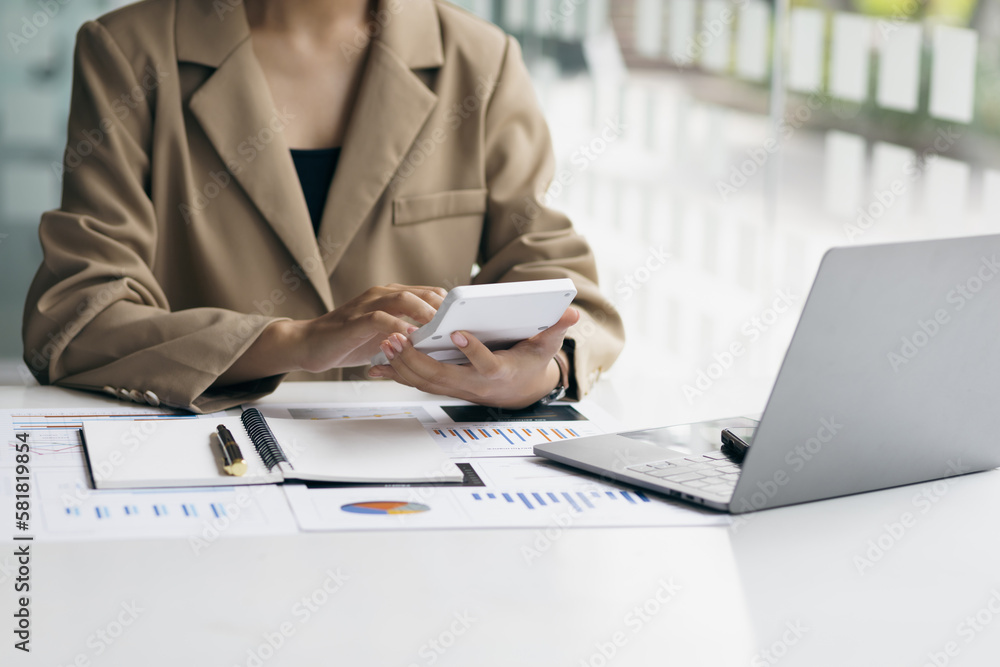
pixel 182 267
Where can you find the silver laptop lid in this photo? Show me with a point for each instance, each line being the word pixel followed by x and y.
pixel 892 376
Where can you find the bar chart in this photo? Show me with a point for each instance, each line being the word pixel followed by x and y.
pixel 506 439
pixel 578 501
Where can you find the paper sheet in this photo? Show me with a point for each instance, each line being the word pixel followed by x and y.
pixel 515 488
pixel 64 507
pixel 512 488
pixel 517 492
pixel 467 431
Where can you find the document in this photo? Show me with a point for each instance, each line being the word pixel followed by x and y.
pixel 470 431
pixel 503 484
pixel 65 507
pixel 186 453
pixel 505 492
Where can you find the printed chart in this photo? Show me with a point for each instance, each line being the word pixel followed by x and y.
pixel 71 508
pixel 522 492
pixel 506 439
pixel 466 431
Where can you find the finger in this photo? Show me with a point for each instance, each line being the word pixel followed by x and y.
pixel 481 357
pixel 425 373
pixel 397 287
pixel 375 324
pixel 387 372
pixel 433 295
pixel 405 304
pixel 550 340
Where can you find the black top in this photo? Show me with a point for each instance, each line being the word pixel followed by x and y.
pixel 316 168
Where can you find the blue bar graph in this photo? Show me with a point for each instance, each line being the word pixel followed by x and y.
pixel 572 503
pixel 579 501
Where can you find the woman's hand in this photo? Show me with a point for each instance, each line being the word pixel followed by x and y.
pixel 346 336
pixel 350 334
pixel 513 378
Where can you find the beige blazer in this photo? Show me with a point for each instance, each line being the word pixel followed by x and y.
pixel 183 230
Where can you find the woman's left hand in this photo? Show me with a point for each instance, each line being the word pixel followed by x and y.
pixel 513 378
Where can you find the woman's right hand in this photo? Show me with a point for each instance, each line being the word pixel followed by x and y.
pixel 346 336
pixel 350 335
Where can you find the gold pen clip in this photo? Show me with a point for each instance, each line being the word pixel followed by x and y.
pixel 232 457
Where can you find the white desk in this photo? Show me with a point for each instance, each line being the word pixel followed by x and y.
pixel 473 595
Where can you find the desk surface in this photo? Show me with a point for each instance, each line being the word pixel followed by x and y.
pixel 839 582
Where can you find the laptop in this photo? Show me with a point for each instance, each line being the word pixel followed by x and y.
pixel 892 377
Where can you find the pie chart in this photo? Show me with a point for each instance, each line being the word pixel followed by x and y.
pixel 385 507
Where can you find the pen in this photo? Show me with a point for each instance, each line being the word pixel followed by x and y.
pixel 231 454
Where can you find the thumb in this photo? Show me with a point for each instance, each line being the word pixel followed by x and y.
pixel 552 337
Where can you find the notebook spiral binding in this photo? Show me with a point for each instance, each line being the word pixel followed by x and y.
pixel 263 439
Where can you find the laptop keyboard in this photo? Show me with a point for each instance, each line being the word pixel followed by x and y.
pixel 711 473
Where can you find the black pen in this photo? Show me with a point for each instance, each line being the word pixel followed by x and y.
pixel 231 454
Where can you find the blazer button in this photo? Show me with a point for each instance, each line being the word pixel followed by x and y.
pixel 123 394
pixel 136 396
pixel 110 390
pixel 151 398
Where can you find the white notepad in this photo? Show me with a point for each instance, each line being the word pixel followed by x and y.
pixel 186 452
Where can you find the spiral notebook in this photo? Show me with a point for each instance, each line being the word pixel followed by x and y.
pixel 186 452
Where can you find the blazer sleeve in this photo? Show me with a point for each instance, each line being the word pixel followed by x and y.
pixel 96 317
pixel 524 239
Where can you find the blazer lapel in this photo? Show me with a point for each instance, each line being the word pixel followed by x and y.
pixel 392 107
pixel 236 111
